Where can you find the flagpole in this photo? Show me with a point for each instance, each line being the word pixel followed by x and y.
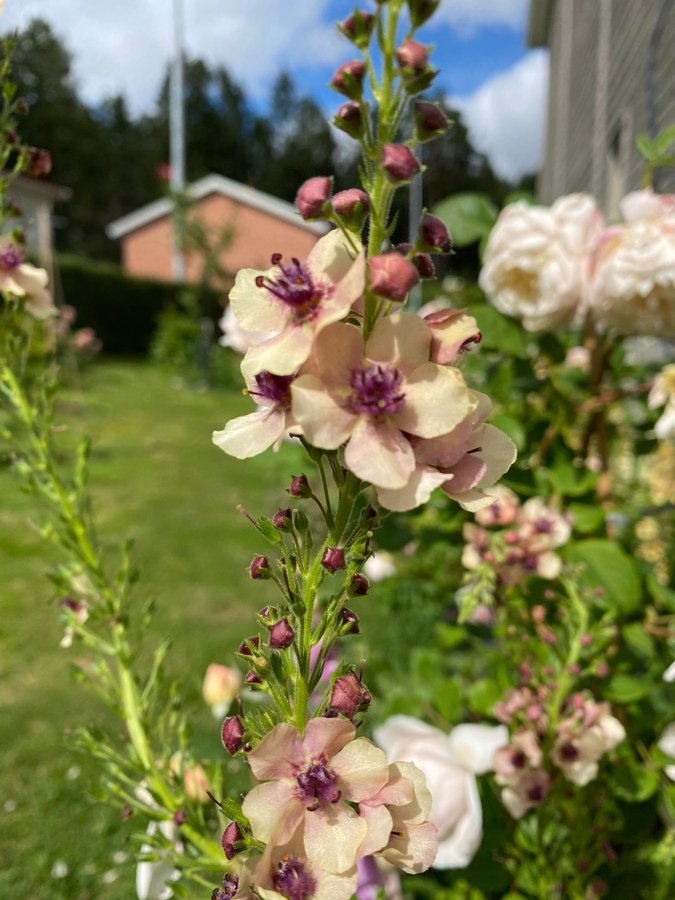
pixel 177 134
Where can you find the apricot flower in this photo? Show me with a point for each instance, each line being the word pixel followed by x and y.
pixel 23 280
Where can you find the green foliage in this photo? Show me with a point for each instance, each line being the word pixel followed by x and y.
pixel 469 217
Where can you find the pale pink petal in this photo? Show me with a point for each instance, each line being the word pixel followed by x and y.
pixel 327 736
pixel 283 354
pixel 377 452
pixel 474 746
pixel 549 565
pixel 380 823
pixel 398 731
pixel 361 768
pixel 350 288
pixel 418 808
pixel 446 449
pixel 413 849
pixel 273 810
pixel 256 309
pixel 333 835
pixel 467 473
pixel 323 421
pixel 330 256
pixel 330 886
pixel 417 490
pixel 402 340
pixel 249 435
pixel 398 791
pixel 457 848
pixel 498 452
pixel 436 400
pixel 338 350
pixel 277 753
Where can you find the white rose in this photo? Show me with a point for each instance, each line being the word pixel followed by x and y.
pixel 154 878
pixel 663 394
pixel 450 764
pixel 666 744
pixel 536 260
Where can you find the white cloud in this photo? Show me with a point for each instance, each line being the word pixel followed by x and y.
pixel 506 115
pixel 466 16
pixel 123 47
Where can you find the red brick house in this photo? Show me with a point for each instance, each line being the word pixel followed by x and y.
pixel 261 224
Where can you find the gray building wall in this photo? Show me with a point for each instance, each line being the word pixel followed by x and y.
pixel 598 96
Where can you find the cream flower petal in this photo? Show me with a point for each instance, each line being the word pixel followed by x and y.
pixel 330 256
pixel 278 752
pixel 361 768
pixel 256 309
pixel 273 811
pixel 336 887
pixel 414 849
pixel 474 746
pixel 380 823
pixel 350 288
pixel 458 849
pixel 417 490
pixel 417 810
pixel 377 452
pixel 323 421
pixel 403 340
pixel 397 731
pixel 249 435
pixel 327 736
pixel 283 354
pixel 446 449
pixel 338 350
pixel 333 835
pixel 466 474
pixel 436 400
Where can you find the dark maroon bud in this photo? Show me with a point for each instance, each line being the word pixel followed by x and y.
pixel 281 635
pixel 231 835
pixel 358 27
pixel 424 265
pixel 359 586
pixel 260 567
pixel 300 487
pixel 349 118
pixel 399 162
pixel 245 650
pixel 404 248
pixel 282 519
pixel 229 889
pixel 72 604
pixel 348 79
pixel 333 559
pixel 264 613
pixel 232 733
pixel 11 136
pixel 430 120
pixel 413 55
pixel 434 235
pixel 349 695
pixel 179 816
pixel 421 10
pixel 392 276
pixel 38 162
pixel 311 201
pixel 252 678
pixel 350 622
pixel 351 205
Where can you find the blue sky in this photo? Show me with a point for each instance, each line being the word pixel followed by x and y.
pixel 123 47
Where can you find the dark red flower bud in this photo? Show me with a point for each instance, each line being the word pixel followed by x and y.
pixel 424 265
pixel 359 586
pixel 430 121
pixel 252 678
pixel 282 519
pixel 231 835
pixel 358 27
pixel 179 816
pixel 349 695
pixel 413 55
pixel 260 567
pixel 245 650
pixel 333 559
pixel 348 79
pixel 281 635
pixel 350 622
pixel 399 162
pixel 392 276
pixel 312 198
pixel 300 487
pixel 351 205
pixel 433 234
pixel 421 10
pixel 38 162
pixel 349 118
pixel 11 136
pixel 232 734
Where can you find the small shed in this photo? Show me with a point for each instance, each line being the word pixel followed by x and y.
pixel 35 199
pixel 261 225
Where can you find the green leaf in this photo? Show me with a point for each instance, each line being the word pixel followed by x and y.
pixel 664 596
pixel 637 639
pixel 482 695
pixel 499 333
pixel 644 146
pixel 663 141
pixel 512 427
pixel 606 565
pixel 635 782
pixel 468 216
pixel 626 689
pixel 586 518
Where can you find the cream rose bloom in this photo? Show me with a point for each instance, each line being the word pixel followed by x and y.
pixel 663 394
pixel 632 287
pixel 536 260
pixel 450 763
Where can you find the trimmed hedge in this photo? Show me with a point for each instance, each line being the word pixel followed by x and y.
pixel 122 310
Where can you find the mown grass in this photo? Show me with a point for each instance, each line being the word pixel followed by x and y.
pixel 155 477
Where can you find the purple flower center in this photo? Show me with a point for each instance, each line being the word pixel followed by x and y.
pixel 275 388
pixel 295 287
pixel 569 752
pixel 292 880
pixel 543 526
pixel 317 784
pixel 377 391
pixel 518 759
pixel 10 258
pixel 531 563
pixel 536 793
pixel 228 890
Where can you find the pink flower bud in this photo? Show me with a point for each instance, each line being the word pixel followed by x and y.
pixel 358 27
pixel 351 205
pixel 349 119
pixel 232 734
pixel 260 567
pixel 179 817
pixel 434 235
pixel 424 265
pixel 38 162
pixel 282 519
pixel 312 198
pixel 399 162
pixel 413 55
pixel 602 670
pixel 349 695
pixel 359 585
pixel 333 559
pixel 281 635
pixel 300 487
pixel 252 678
pixel 430 121
pixel 350 622
pixel 586 640
pixel 244 648
pixel 231 835
pixel 348 79
pixel 392 276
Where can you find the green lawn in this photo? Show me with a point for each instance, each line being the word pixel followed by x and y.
pixel 156 477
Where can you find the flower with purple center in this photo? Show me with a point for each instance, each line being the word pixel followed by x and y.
pixel 10 258
pixel 377 397
pixel 295 300
pixel 19 278
pixel 293 880
pixel 317 784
